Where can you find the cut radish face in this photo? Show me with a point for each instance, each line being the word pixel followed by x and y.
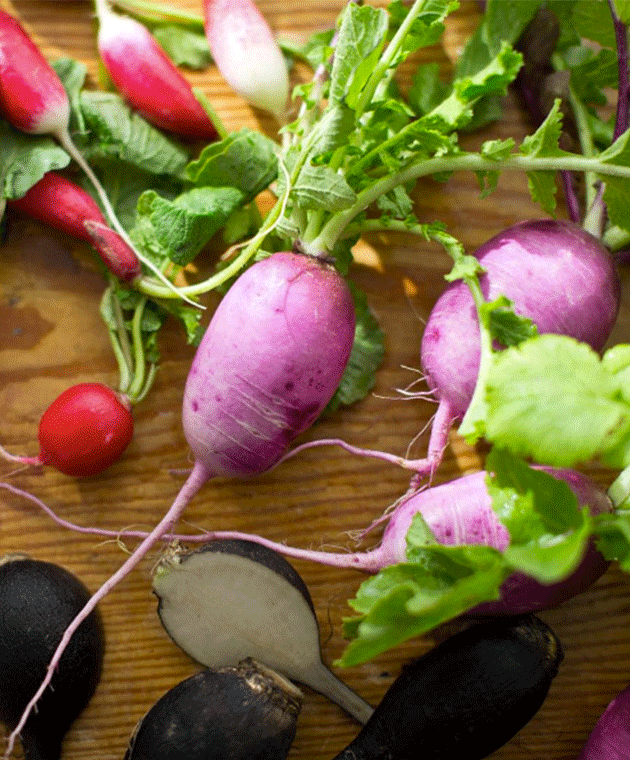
pixel 229 600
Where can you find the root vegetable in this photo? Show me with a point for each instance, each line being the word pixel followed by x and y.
pixel 229 600
pixel 246 712
pixel 37 601
pixel 466 697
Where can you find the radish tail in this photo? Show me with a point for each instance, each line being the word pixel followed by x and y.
pixel 198 477
pixel 20 460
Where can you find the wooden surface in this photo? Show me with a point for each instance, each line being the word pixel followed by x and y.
pixel 51 336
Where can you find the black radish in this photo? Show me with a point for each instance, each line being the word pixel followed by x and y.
pixel 37 601
pixel 229 600
pixel 466 697
pixel 247 712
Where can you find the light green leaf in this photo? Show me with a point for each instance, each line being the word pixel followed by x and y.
pixel 550 398
pixel 184 47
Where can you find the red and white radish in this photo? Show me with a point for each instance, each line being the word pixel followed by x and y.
pixel 33 99
pixel 83 431
pixel 147 78
pixel 247 54
pixel 269 362
pixel 610 738
pixel 62 204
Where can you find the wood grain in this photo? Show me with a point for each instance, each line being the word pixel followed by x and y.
pixel 51 336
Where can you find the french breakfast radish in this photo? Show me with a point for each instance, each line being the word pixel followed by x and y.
pixel 147 78
pixel 270 360
pixel 247 54
pixel 83 431
pixel 62 204
pixel 33 99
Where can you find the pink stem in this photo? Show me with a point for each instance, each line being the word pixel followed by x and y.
pixel 22 460
pixel 198 477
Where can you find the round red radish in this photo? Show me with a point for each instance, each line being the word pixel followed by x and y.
pixel 554 272
pixel 85 430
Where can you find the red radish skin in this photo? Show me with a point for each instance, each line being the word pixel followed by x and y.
pixel 65 206
pixel 247 54
pixel 85 430
pixel 610 738
pixel 270 360
pixel 147 78
pixel 33 99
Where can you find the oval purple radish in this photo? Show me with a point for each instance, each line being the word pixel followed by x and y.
pixel 554 272
pixel 269 362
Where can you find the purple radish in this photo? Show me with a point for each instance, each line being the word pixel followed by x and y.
pixel 33 99
pixel 460 512
pixel 270 360
pixel 147 78
pixel 247 54
pixel 65 206
pixel 610 738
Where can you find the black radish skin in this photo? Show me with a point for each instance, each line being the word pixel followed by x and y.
pixel 247 712
pixel 466 697
pixel 37 601
pixel 232 599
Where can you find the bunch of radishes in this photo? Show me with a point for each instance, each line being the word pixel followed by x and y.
pixel 280 340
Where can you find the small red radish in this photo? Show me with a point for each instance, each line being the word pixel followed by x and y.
pixel 33 99
pixel 147 78
pixel 83 431
pixel 270 360
pixel 65 206
pixel 247 54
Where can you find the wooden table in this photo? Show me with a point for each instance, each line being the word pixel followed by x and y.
pixel 51 336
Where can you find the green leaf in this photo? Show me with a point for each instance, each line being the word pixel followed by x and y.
pixel 184 47
pixel 119 133
pixel 593 21
pixel 24 159
pixel 245 160
pixel 360 41
pixel 550 398
pixel 427 89
pixel 321 187
pixel 365 358
pixel 465 267
pixel 409 599
pixel 184 225
pixel 507 327
pixel 548 532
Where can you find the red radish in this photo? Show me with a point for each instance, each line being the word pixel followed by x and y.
pixel 610 738
pixel 270 360
pixel 33 99
pixel 65 206
pixel 147 78
pixel 83 431
pixel 247 54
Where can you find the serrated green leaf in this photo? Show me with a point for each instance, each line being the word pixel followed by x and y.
pixel 117 132
pixel 183 46
pixel 245 160
pixel 550 398
pixel 183 226
pixel 360 41
pixel 321 187
pixel 24 159
pixel 507 327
